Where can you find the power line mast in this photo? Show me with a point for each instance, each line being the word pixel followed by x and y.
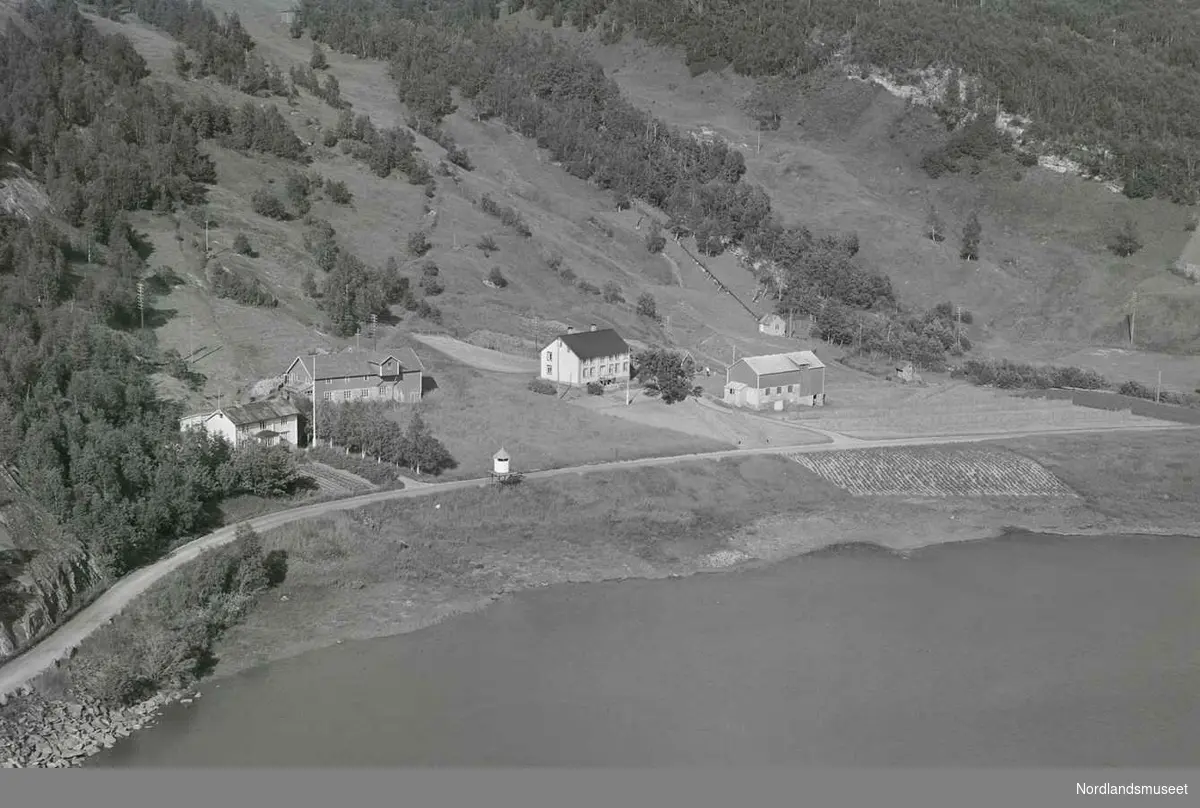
pixel 1132 318
pixel 958 326
pixel 373 324
pixel 141 303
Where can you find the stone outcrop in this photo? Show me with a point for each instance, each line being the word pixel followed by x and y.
pixel 45 575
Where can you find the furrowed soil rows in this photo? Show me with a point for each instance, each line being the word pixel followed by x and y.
pixel 934 472
pixel 335 481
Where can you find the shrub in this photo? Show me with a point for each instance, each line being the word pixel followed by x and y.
pixel 595 389
pixel 429 283
pixel 427 311
pixel 275 565
pixel 329 139
pixel 612 293
pixel 1136 390
pixel 338 192
pixel 1125 241
pixel 267 204
pixel 542 386
pixel 241 245
pixel 244 289
pixel 458 157
pixel 646 306
pixel 497 278
pixel 418 243
pixel 655 240
pixel 318 60
pixel 1027 159
pixel 487 244
pixel 587 288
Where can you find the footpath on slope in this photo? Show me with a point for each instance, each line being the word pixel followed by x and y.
pixel 19 671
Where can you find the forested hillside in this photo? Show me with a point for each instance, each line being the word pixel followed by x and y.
pixel 79 416
pixel 1121 77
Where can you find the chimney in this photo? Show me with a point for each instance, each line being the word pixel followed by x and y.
pixel 570 329
pixel 593 326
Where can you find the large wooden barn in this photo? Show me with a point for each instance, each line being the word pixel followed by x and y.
pixel 776 381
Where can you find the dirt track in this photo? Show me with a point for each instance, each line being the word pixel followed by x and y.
pixel 43 656
pixel 476 357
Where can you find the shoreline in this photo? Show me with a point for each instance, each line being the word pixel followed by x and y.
pixel 46 731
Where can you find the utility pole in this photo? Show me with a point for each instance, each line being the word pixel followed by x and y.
pixel 374 324
pixel 1158 387
pixel 537 334
pixel 958 326
pixel 1132 319
pixel 191 338
pixel 206 232
pixel 314 401
pixel 141 302
pixel 357 334
pixel 626 389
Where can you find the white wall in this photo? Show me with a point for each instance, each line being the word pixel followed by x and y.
pixel 288 428
pixel 557 363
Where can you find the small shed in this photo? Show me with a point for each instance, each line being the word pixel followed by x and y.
pixel 288 17
pixel 500 462
pixel 772 324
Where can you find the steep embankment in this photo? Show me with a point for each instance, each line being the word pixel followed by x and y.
pixel 45 575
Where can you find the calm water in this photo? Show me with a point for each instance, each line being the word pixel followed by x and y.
pixel 1027 650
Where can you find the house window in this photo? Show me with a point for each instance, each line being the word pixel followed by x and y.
pixel 625 365
pixel 790 386
pixel 346 393
pixel 549 369
pixel 778 390
pixel 328 395
pixel 363 393
pixel 329 381
pixel 549 357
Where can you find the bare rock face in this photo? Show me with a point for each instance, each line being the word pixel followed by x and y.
pixel 44 573
pixel 20 194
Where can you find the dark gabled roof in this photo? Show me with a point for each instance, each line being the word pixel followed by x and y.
pixel 260 411
pixel 348 364
pixel 595 344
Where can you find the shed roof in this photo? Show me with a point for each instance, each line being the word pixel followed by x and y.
pixel 260 411
pixel 769 318
pixel 595 344
pixel 782 363
pixel 359 363
pixel 500 455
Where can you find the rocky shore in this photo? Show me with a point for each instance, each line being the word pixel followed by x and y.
pixel 36 732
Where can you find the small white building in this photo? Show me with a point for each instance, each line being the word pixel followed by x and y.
pixel 500 461
pixel 580 357
pixel 270 422
pixel 773 324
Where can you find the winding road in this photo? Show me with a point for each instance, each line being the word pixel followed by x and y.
pixel 43 656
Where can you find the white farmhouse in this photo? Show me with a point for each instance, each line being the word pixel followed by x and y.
pixel 268 422
pixel 586 356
